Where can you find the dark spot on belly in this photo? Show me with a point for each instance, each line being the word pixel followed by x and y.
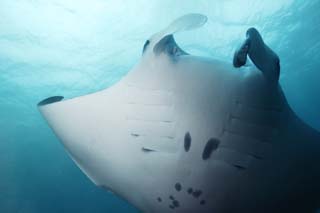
pixel 187 142
pixel 190 190
pixel 176 203
pixel 159 199
pixel 202 202
pixel 171 197
pixel 178 187
pixel 197 193
pixel 171 206
pixel 211 146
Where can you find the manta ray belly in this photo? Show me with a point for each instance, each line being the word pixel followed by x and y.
pixel 231 122
pixel 189 134
pixel 227 137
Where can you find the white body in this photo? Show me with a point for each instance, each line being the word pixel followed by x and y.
pixel 129 138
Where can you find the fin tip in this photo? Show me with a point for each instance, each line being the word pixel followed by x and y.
pixel 50 100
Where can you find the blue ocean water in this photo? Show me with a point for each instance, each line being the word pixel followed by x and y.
pixel 75 47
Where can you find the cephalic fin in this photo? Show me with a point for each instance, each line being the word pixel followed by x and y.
pixel 263 57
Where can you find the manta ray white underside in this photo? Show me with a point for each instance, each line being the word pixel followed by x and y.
pixel 190 134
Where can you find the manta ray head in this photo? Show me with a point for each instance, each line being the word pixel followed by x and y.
pixel 192 134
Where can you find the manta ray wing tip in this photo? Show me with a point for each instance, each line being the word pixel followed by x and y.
pixel 50 100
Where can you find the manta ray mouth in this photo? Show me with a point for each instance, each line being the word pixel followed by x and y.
pixel 50 100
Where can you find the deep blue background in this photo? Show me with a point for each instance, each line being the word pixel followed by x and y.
pixel 73 47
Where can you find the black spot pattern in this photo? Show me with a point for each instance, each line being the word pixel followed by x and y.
pixel 178 187
pixel 197 193
pixel 211 145
pixel 174 203
pixel 187 142
pixel 193 193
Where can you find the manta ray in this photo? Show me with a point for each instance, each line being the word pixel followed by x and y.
pixel 184 133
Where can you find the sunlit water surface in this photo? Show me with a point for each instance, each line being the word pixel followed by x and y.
pixel 74 47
